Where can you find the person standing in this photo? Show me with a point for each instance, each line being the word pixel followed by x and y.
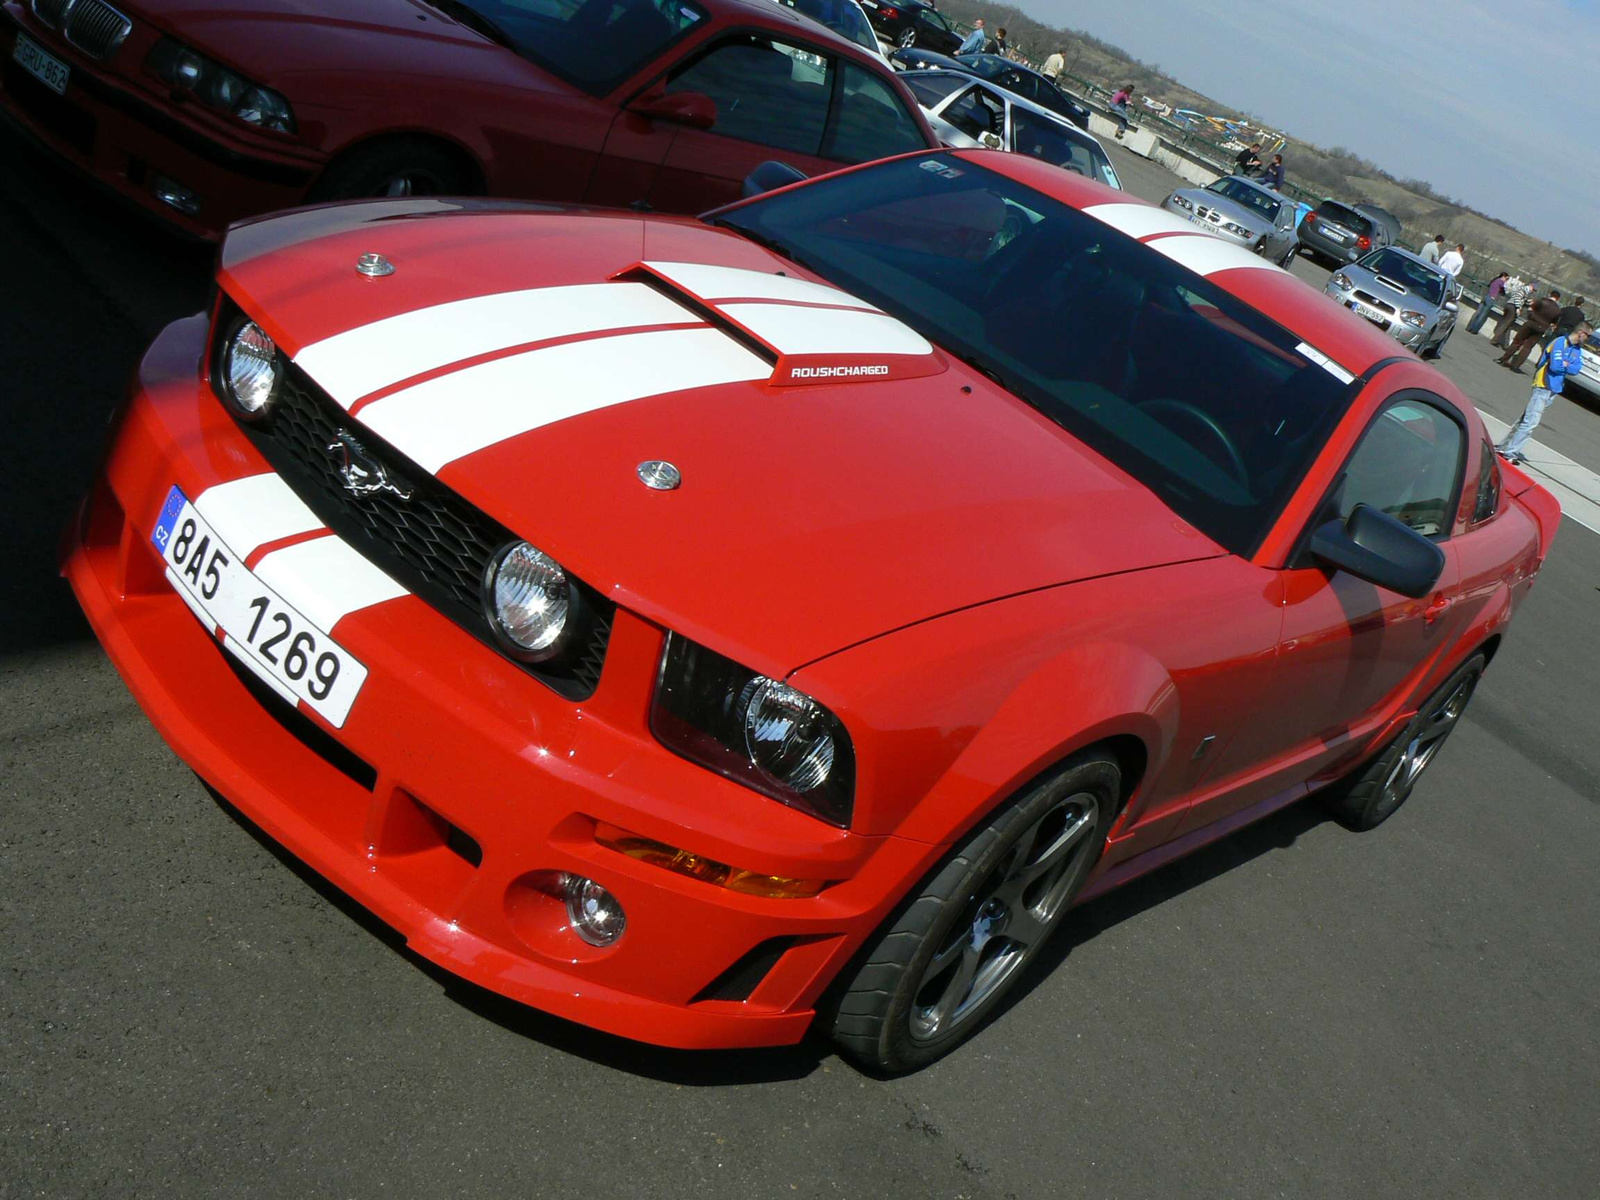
pixel 973 43
pixel 1000 46
pixel 1451 261
pixel 1054 65
pixel 1542 314
pixel 1494 295
pixel 1119 108
pixel 1272 177
pixel 1518 294
pixel 1563 358
pixel 1569 318
pixel 1432 251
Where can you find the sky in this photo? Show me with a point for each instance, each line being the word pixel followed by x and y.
pixel 1494 102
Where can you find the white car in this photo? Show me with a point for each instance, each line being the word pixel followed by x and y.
pixel 969 113
pixel 1588 379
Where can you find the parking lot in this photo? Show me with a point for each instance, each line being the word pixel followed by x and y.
pixel 1295 1010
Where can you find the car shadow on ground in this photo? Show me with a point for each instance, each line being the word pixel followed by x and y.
pixel 712 1068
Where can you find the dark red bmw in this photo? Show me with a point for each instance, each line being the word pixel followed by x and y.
pixel 205 111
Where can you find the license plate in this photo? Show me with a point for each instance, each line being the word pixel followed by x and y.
pixel 1337 235
pixel 1203 222
pixel 1370 314
pixel 46 68
pixel 267 634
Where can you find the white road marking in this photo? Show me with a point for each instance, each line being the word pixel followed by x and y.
pixel 248 513
pixel 1574 486
pixel 791 330
pixel 736 283
pixel 326 579
pixel 1206 255
pixel 444 419
pixel 1139 220
pixel 363 360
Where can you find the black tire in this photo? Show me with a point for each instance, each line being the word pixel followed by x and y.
pixel 401 167
pixel 1373 794
pixel 1438 348
pixel 1289 255
pixel 940 967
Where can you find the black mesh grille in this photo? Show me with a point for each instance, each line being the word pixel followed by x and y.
pixel 435 543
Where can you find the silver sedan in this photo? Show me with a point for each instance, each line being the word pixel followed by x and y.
pixel 1403 294
pixel 1244 213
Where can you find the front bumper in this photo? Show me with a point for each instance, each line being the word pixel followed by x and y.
pixel 1409 336
pixel 1249 240
pixel 458 783
pixel 136 142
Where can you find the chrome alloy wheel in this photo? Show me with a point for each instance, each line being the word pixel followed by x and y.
pixel 908 38
pixel 1007 918
pixel 1424 738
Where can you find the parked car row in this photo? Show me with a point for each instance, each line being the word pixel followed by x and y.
pixel 1002 72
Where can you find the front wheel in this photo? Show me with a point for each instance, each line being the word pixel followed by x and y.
pixel 399 168
pixel 1371 796
pixel 939 970
pixel 1289 256
pixel 908 38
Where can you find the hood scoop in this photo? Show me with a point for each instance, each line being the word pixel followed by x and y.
pixel 812 333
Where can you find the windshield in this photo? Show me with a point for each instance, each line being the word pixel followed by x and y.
pixel 841 16
pixel 1417 278
pixel 1101 334
pixel 1348 217
pixel 1251 197
pixel 593 43
pixel 1032 133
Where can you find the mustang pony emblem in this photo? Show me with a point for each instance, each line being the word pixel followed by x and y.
pixel 361 472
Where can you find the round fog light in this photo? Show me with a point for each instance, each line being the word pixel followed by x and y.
pixel 596 915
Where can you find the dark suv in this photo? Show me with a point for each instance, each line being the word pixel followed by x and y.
pixel 1335 233
pixel 912 23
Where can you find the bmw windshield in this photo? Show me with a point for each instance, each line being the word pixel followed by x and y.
pixel 1251 197
pixel 593 43
pixel 1201 398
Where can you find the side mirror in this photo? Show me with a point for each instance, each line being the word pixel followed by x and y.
pixel 768 177
pixel 1374 546
pixel 1451 306
pixel 694 109
pixel 991 140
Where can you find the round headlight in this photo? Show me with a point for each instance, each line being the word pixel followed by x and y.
pixel 788 734
pixel 250 370
pixel 529 601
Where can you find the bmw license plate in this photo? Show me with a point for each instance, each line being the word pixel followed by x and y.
pixel 46 68
pixel 269 636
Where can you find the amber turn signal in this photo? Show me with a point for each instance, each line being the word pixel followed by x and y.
pixel 706 870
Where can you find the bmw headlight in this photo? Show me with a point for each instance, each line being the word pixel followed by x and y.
pixel 250 371
pixel 188 71
pixel 1236 229
pixel 1412 317
pixel 759 731
pixel 1341 281
pixel 529 601
pixel 1182 203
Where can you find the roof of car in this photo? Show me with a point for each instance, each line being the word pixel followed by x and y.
pixel 1011 98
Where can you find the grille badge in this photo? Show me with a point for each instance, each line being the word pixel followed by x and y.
pixel 374 266
pixel 361 473
pixel 659 475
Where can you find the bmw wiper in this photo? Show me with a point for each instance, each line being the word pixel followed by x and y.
pixel 473 19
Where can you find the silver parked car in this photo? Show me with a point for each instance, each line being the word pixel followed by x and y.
pixel 1403 294
pixel 970 113
pixel 1240 211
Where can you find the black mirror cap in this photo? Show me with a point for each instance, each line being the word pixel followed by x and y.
pixel 1374 546
pixel 770 176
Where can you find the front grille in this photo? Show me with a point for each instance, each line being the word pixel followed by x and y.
pixel 435 542
pixel 54 114
pixel 93 26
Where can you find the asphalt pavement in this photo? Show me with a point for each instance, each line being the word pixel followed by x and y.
pixel 1297 1010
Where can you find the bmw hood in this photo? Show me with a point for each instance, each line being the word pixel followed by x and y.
pixel 839 477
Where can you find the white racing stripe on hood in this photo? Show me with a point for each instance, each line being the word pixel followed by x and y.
pixel 360 361
pixel 792 330
pixel 1206 255
pixel 326 579
pixel 736 283
pixel 444 419
pixel 1138 220
pixel 250 512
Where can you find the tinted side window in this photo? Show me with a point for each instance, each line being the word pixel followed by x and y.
pixel 931 88
pixel 765 92
pixel 1488 499
pixel 1407 465
pixel 977 113
pixel 870 121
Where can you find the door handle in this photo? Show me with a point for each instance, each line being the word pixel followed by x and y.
pixel 1436 608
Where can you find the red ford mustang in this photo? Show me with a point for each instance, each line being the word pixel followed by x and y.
pixel 697 628
pixel 204 113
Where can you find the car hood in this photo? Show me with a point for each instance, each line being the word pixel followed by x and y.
pixel 276 42
pixel 1386 287
pixel 1231 209
pixel 840 478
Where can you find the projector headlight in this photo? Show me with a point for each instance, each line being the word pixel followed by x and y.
pixel 250 371
pixel 759 731
pixel 529 601
pixel 1341 281
pixel 189 72
pixel 1412 317
pixel 1182 203
pixel 1236 229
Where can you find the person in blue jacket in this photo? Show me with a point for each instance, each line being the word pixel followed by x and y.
pixel 1563 358
pixel 974 41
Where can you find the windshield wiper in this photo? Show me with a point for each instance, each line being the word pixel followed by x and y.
pixel 473 19
pixel 766 243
